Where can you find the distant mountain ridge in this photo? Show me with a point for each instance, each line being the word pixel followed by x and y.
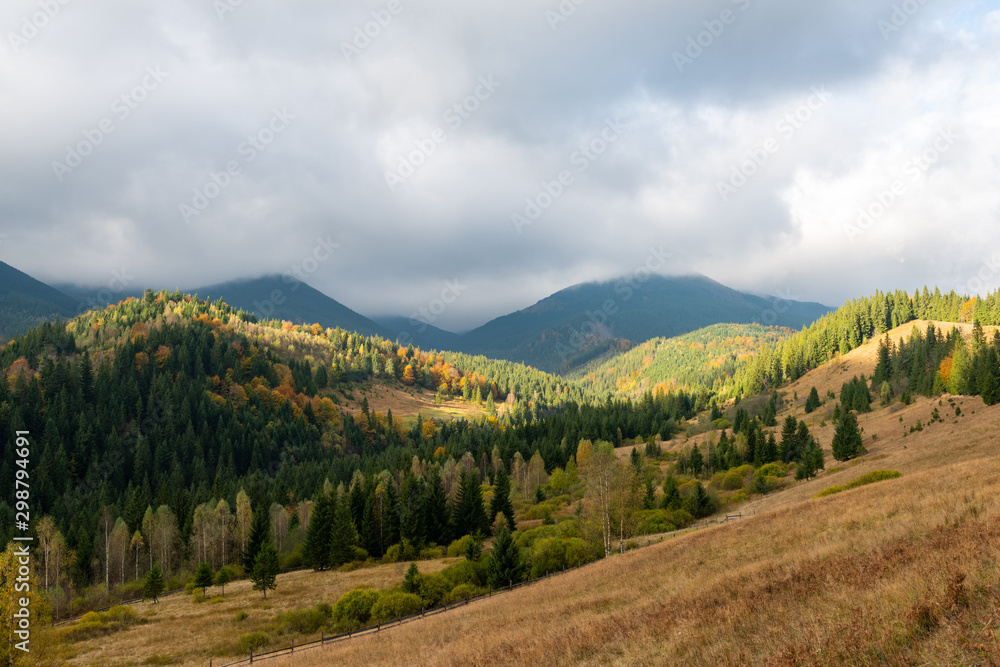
pixel 585 321
pixel 560 333
pixel 26 302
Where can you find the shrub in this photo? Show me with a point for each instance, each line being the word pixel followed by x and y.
pixel 430 553
pixel 457 548
pixel 465 572
pixel 240 616
pixel 655 521
pixel 868 478
pixel 464 591
pixel 354 608
pixel 252 642
pixel 432 588
pixel 772 470
pixel 549 555
pixel 97 624
pixel 303 621
pixel 391 605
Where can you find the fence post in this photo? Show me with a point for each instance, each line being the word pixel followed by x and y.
pixel 321 640
pixel 293 646
pixel 251 656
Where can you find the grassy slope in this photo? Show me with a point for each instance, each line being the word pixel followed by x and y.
pixel 182 632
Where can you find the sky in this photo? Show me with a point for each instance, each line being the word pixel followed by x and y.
pixel 396 154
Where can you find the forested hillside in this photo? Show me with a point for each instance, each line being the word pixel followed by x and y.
pixel 158 422
pixel 707 358
pixel 854 324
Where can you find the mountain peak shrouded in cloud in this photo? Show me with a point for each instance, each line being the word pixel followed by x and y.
pixel 780 147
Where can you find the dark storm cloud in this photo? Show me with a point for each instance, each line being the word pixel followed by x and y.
pixel 226 140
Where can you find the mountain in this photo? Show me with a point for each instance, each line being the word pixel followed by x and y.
pixel 580 323
pixel 26 302
pixel 276 298
pixel 420 334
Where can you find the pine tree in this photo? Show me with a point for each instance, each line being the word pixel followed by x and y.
pixel 260 532
pixel 501 499
pixel 264 574
pixel 316 550
pixel 153 586
pixel 203 578
pixel 847 438
pixel 344 537
pixel 504 566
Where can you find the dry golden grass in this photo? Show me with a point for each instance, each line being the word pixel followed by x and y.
pixel 183 632
pixel 410 401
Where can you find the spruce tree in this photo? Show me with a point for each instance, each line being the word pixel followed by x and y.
pixel 671 494
pixel 504 566
pixel 153 585
pixel 316 550
pixel 696 462
pixel 789 444
pixel 470 515
pixel 437 518
pixel 813 401
pixel 203 578
pixel 344 537
pixel 501 499
pixel 411 580
pixel 260 532
pixel 223 577
pixel 264 574
pixel 846 437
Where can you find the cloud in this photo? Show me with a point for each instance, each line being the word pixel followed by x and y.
pixel 415 131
